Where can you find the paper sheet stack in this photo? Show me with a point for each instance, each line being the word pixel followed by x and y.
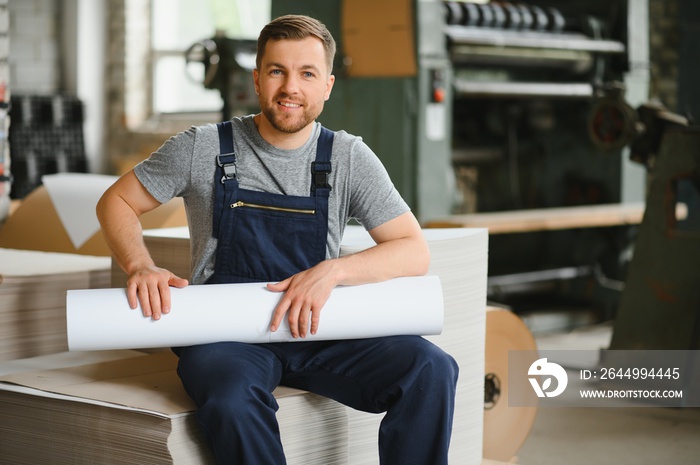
pixel 33 287
pixel 459 258
pixel 133 410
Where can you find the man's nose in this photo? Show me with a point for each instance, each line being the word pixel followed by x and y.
pixel 290 84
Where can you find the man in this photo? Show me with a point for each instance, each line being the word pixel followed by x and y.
pixel 268 197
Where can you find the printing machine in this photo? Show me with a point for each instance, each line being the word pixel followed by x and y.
pixel 497 106
pixel 542 112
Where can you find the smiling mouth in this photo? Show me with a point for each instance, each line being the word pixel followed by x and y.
pixel 289 104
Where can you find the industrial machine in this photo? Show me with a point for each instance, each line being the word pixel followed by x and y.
pixel 660 305
pixel 533 127
pixel 225 64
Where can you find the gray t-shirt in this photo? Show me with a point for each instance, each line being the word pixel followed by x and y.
pixel 185 166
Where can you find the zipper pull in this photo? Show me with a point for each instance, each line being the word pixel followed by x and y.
pixel 237 204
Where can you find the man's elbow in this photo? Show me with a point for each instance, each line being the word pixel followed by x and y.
pixel 102 207
pixel 422 259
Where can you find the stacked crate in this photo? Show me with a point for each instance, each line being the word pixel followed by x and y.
pixel 47 138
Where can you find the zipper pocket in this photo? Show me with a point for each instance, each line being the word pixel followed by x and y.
pixel 240 203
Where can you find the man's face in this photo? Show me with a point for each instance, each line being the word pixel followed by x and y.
pixel 293 83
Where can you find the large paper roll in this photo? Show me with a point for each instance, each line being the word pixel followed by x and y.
pixel 505 428
pixel 100 319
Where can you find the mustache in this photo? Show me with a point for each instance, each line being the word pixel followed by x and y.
pixel 288 98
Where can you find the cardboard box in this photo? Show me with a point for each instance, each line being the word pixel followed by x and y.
pixel 35 225
pixel 378 38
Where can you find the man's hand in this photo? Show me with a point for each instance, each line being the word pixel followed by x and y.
pixel 151 288
pixel 400 250
pixel 119 210
pixel 305 294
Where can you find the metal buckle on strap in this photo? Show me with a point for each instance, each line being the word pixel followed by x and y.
pixel 320 174
pixel 230 171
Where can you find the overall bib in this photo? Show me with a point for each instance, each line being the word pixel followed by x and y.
pixel 265 237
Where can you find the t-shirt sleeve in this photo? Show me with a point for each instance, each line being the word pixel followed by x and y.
pixel 165 174
pixel 374 199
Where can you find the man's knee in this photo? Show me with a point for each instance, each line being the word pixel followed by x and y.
pixel 229 373
pixel 439 365
pixel 427 364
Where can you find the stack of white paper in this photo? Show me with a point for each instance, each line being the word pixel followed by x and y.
pixel 460 258
pixel 134 410
pixel 33 287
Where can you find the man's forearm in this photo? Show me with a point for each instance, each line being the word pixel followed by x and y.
pixel 119 210
pixel 122 231
pixel 401 250
pixel 399 257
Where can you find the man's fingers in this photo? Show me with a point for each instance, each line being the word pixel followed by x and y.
pixel 177 281
pixel 155 303
pixel 151 289
pixel 164 296
pixel 293 319
pixel 278 314
pixel 280 286
pixel 303 321
pixel 302 302
pixel 144 300
pixel 315 320
pixel 131 295
pixel 297 318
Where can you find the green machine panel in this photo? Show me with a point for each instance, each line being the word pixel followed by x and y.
pixel 395 115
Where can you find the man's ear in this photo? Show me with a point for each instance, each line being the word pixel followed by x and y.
pixel 329 87
pixel 256 81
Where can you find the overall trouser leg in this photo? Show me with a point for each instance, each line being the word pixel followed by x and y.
pixel 232 385
pixel 409 378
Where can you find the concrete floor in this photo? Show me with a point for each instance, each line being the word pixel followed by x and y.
pixel 613 436
pixel 608 436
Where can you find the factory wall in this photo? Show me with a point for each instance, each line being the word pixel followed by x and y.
pixel 34 50
pixel 57 47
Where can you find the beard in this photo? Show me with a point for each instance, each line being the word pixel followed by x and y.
pixel 289 123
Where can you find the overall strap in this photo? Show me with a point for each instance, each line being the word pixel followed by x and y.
pixel 321 168
pixel 227 151
pixel 225 176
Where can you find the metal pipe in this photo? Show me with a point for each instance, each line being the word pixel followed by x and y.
pixel 531 39
pixel 463 88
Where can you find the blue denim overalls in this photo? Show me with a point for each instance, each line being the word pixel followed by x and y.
pixel 266 237
pixel 269 237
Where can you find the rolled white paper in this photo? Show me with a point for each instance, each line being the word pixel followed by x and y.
pixel 100 319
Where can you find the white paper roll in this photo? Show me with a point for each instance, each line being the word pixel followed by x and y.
pixel 100 319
